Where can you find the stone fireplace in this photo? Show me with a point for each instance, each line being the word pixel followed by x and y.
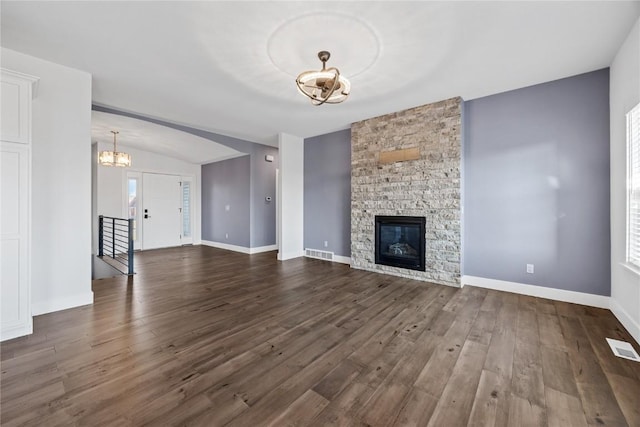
pixel 408 164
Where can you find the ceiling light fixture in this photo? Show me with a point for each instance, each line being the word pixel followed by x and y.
pixel 114 158
pixel 324 86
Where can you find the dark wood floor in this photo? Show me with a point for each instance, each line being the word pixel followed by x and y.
pixel 202 336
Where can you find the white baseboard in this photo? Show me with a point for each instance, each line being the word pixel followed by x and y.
pixel 592 300
pixel 260 249
pixel 342 259
pixel 627 321
pixel 236 248
pixel 226 246
pixel 17 331
pixel 61 303
pixel 289 255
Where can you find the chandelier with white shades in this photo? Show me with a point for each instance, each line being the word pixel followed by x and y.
pixel 115 157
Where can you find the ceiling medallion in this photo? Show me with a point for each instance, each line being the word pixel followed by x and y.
pixel 324 86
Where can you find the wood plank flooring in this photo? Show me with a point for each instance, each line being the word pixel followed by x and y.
pixel 202 336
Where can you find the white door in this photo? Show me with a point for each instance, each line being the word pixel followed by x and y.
pixel 161 206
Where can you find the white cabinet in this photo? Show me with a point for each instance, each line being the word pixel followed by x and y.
pixel 15 205
pixel 15 305
pixel 17 90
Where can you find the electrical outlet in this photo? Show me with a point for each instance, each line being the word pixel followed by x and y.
pixel 530 268
pixel 226 235
pixel 326 244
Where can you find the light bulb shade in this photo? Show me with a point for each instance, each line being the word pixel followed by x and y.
pixel 122 159
pixel 324 86
pixel 114 158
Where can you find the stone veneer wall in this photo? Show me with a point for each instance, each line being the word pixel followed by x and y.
pixel 429 186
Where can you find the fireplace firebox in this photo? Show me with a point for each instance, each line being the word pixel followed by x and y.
pixel 400 241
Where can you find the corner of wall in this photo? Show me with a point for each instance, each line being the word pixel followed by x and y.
pixel 624 94
pixel 628 321
pixel 61 303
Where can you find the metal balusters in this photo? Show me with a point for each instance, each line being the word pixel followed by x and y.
pixel 115 241
pixel 130 251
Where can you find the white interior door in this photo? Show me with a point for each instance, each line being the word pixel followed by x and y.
pixel 161 205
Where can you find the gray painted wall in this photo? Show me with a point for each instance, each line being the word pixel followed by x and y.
pixel 327 192
pixel 226 183
pixel 263 184
pixel 536 185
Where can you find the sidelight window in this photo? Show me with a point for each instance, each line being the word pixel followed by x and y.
pixel 186 209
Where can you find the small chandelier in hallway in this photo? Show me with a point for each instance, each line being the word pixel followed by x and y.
pixel 114 158
pixel 324 86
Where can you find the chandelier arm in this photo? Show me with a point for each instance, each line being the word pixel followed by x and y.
pixel 319 103
pixel 336 80
pixel 114 140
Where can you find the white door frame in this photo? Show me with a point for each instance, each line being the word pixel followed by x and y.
pixel 278 209
pixel 139 174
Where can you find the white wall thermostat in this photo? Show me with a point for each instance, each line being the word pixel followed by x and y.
pixel 268 158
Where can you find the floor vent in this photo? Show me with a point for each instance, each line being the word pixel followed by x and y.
pixel 315 253
pixel 623 349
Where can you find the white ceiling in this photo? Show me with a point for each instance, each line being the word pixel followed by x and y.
pixel 151 137
pixel 229 67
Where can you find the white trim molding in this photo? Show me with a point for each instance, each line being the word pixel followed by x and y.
pixel 592 300
pixel 61 303
pixel 289 255
pixel 17 331
pixel 632 268
pixel 342 259
pixel 627 321
pixel 241 249
pixel 260 249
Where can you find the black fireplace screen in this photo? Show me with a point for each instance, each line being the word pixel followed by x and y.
pixel 400 241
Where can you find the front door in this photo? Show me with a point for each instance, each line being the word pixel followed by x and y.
pixel 161 210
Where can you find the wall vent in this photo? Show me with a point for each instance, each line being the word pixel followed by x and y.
pixel 316 253
pixel 623 349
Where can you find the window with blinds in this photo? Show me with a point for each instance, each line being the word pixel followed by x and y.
pixel 633 197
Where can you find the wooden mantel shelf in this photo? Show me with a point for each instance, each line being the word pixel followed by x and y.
pixel 399 155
